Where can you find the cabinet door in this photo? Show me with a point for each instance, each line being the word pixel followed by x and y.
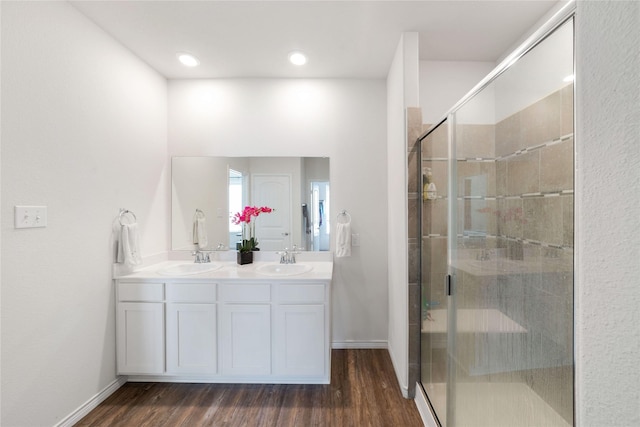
pixel 140 338
pixel 191 339
pixel 245 339
pixel 300 344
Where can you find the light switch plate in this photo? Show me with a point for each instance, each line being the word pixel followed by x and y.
pixel 30 216
pixel 355 239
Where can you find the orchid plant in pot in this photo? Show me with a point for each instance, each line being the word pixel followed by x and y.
pixel 249 240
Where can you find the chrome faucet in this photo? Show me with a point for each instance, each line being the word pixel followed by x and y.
pixel 288 257
pixel 284 256
pixel 201 257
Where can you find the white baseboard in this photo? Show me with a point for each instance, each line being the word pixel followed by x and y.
pixel 404 387
pixel 92 403
pixel 339 345
pixel 423 408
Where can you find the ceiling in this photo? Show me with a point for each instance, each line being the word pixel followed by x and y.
pixel 342 39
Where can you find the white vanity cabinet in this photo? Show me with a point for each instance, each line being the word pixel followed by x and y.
pixel 223 330
pixel 301 341
pixel 191 319
pixel 245 328
pixel 140 328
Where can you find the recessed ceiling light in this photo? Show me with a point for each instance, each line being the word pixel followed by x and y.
pixel 188 60
pixel 297 58
pixel 569 78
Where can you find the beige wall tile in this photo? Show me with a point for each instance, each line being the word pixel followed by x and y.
pixel 436 144
pixel 414 179
pixel 434 261
pixel 510 217
pixel 543 217
pixel 541 121
pixel 501 177
pixel 412 223
pixel 567 221
pixel 552 229
pixel 474 141
pixel 523 173
pixel 477 172
pixel 476 215
pixel 489 211
pixel 556 167
pixel 434 214
pixel 567 109
pixel 508 135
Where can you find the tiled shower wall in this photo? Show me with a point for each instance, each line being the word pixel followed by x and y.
pixel 534 170
pixel 525 214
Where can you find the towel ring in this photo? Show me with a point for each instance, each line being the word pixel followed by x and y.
pixel 345 216
pixel 123 212
pixel 198 213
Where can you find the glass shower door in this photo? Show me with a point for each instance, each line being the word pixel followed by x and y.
pixel 434 323
pixel 511 353
pixel 497 345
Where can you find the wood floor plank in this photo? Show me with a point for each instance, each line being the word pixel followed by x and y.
pixel 363 392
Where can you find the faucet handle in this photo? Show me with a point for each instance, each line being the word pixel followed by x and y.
pixel 284 256
pixel 201 256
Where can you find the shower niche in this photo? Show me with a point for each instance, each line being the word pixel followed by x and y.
pixel 497 253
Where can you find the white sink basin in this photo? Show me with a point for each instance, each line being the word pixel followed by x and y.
pixel 188 269
pixel 283 269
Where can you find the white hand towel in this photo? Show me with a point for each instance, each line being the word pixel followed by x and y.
pixel 129 245
pixel 343 240
pixel 200 232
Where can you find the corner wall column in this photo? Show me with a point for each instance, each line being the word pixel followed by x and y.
pixel 414 191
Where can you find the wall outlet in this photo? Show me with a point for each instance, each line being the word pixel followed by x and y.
pixel 30 216
pixel 355 239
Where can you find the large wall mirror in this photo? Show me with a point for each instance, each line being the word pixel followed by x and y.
pixel 207 191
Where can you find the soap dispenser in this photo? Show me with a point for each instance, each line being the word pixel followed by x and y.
pixel 429 190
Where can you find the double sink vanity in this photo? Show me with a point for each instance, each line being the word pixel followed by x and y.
pixel 266 322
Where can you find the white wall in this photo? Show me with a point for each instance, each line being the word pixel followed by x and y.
pixel 83 132
pixel 608 213
pixel 199 183
pixel 340 119
pixel 402 92
pixel 543 69
pixel 443 83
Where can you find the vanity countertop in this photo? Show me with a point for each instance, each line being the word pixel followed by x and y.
pixel 228 270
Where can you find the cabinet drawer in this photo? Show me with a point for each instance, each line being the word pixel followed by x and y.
pixel 300 293
pixel 140 291
pixel 191 292
pixel 245 292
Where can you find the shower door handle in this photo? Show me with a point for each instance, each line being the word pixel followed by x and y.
pixel 448 285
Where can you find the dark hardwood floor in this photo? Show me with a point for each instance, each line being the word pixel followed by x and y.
pixel 363 392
